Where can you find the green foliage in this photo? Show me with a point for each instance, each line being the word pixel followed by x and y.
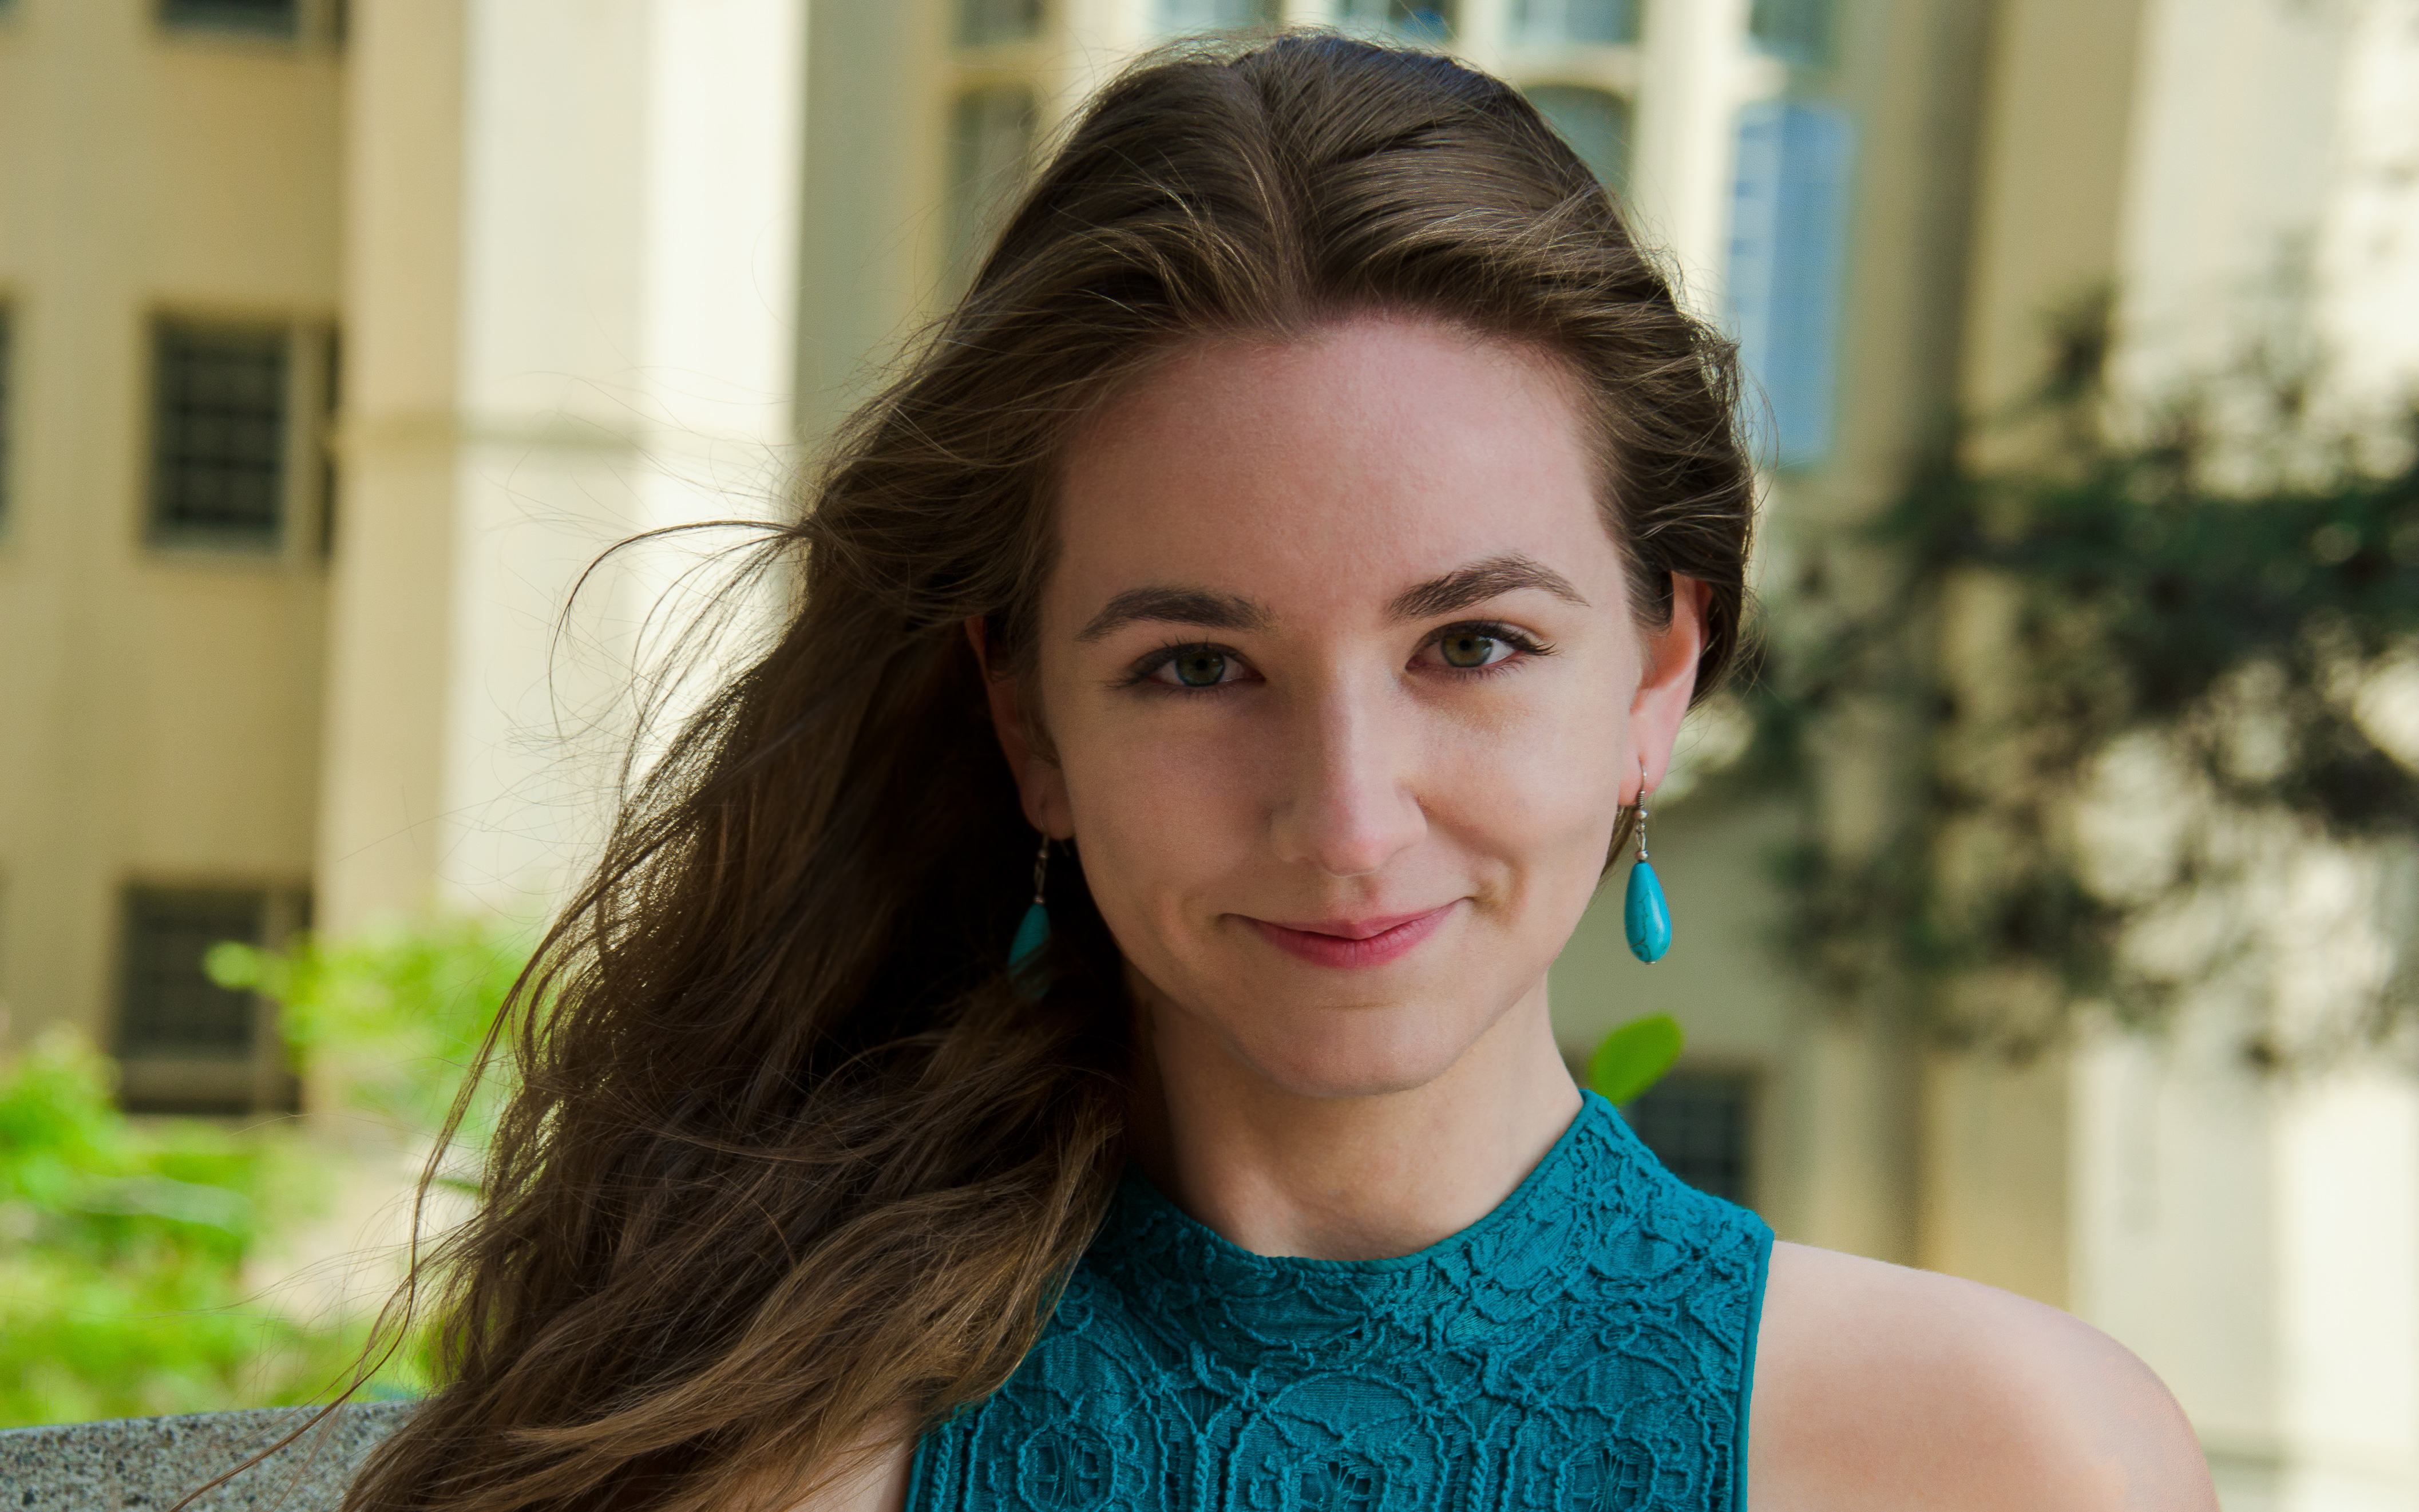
pixel 2184 591
pixel 121 1249
pixel 1635 1057
pixel 397 1015
pixel 124 1242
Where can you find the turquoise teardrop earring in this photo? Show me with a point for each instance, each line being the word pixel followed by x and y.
pixel 1033 931
pixel 1645 917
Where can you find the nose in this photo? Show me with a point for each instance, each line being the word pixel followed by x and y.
pixel 1349 804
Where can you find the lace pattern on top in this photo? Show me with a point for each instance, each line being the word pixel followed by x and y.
pixel 1587 1347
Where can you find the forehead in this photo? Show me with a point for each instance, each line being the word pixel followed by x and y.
pixel 1366 455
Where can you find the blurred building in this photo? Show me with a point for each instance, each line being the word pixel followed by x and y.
pixel 336 340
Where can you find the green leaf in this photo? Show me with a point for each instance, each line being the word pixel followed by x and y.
pixel 1634 1056
pixel 234 965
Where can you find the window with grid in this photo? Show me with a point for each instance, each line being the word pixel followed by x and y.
pixel 981 23
pixel 169 1007
pixel 1595 122
pixel 219 434
pixel 1557 22
pixel 1178 18
pixel 1797 31
pixel 269 18
pixel 1422 21
pixel 1695 1123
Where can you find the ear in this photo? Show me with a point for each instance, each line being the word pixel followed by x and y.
pixel 1041 785
pixel 1671 679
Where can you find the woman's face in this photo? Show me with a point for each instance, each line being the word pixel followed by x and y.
pixel 1342 692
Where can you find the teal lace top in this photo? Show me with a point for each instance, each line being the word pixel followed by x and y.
pixel 1588 1345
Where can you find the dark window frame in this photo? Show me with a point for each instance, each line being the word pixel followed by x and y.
pixel 10 388
pixel 1678 1118
pixel 167 1006
pixel 221 434
pixel 272 444
pixel 281 19
pixel 303 25
pixel 183 1043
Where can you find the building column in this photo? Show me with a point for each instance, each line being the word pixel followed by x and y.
pixel 572 308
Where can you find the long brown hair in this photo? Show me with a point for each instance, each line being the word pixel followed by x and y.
pixel 790 1153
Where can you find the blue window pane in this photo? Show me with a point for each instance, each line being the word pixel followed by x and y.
pixel 1787 256
pixel 1594 123
pixel 1419 21
pixel 1545 23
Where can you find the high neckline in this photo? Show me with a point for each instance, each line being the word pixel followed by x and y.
pixel 1141 1207
pixel 1588 1342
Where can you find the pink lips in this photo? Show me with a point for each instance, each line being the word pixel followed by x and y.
pixel 1353 942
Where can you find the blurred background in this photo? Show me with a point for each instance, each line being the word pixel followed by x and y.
pixel 2047 892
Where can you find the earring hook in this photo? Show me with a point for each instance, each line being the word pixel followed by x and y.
pixel 1641 808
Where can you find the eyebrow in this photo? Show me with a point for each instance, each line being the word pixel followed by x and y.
pixel 1456 590
pixel 1478 582
pixel 1175 606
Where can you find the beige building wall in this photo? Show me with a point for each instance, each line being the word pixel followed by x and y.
pixel 158 709
pixel 387 674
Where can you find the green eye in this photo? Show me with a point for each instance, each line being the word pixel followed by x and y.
pixel 1467 649
pixel 1200 669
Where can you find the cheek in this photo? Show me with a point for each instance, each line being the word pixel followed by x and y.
pixel 1156 819
pixel 1540 797
pixel 1541 764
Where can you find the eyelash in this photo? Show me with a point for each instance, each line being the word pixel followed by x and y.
pixel 1520 641
pixel 1144 672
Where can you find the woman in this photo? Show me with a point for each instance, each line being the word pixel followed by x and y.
pixel 1322 505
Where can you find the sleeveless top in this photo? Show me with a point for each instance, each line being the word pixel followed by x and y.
pixel 1588 1345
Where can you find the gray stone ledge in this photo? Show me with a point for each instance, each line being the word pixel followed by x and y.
pixel 148 1462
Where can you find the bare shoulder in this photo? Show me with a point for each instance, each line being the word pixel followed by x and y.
pixel 1878 1387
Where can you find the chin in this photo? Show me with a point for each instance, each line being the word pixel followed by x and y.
pixel 1357 1051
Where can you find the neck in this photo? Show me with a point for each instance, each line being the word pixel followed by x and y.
pixel 1352 1177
